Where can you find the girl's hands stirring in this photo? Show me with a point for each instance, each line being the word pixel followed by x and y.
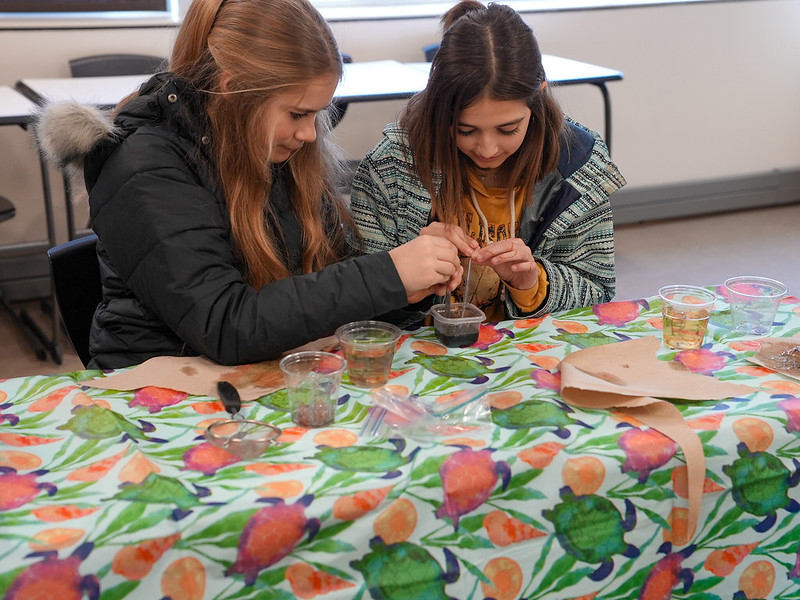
pixel 427 265
pixel 465 245
pixel 512 261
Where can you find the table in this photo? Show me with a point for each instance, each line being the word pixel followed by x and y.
pixel 117 492
pixel 566 71
pixel 361 82
pixel 16 109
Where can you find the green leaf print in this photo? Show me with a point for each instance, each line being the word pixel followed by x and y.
pixel 232 522
pixel 330 546
pixel 119 591
pixel 430 466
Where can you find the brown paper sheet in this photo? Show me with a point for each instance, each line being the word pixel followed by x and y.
pixel 628 376
pixel 781 355
pixel 198 375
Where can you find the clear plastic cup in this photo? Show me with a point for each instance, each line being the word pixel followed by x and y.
pixel 457 324
pixel 368 347
pixel 312 386
pixel 754 302
pixel 685 310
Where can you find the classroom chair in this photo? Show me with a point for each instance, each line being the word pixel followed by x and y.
pixel 104 65
pixel 76 279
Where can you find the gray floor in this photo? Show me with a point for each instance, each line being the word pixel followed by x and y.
pixel 708 250
pixel 700 251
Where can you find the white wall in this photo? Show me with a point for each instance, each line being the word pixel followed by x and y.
pixel 711 90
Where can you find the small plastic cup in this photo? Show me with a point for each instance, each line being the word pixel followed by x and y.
pixel 685 310
pixel 453 329
pixel 312 386
pixel 754 302
pixel 368 347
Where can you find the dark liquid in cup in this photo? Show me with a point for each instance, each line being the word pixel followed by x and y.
pixel 315 414
pixel 457 337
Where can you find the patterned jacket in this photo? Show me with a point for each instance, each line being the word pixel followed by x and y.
pixel 567 224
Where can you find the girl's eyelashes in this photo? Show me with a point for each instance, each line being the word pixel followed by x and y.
pixel 467 132
pixel 298 116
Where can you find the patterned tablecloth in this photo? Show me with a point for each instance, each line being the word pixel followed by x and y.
pixel 117 495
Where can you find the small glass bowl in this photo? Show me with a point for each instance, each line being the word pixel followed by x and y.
pixel 242 437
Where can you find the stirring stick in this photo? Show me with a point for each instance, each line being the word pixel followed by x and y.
pixel 466 288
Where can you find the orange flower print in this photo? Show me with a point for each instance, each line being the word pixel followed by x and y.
pixel 703 360
pixel 616 313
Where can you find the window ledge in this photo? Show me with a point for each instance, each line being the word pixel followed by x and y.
pixel 331 12
pixel 101 20
pixel 413 10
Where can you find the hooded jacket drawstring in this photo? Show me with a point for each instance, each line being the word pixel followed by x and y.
pixel 512 207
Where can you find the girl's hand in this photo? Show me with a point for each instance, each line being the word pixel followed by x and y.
pixel 512 261
pixel 427 265
pixel 466 245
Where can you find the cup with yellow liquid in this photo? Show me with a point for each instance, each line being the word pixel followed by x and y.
pixel 685 310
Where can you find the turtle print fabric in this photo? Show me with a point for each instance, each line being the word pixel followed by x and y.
pixel 116 495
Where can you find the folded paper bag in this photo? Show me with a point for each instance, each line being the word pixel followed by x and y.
pixel 195 375
pixel 198 376
pixel 627 376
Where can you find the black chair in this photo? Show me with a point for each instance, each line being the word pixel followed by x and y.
pixel 102 65
pixel 76 281
pixel 339 107
pixel 33 333
pixel 430 50
pixel 7 209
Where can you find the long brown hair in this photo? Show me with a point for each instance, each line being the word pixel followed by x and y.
pixel 264 46
pixel 485 53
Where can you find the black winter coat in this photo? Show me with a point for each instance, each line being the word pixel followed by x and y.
pixel 171 282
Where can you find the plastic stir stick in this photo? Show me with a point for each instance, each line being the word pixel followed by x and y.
pixel 466 288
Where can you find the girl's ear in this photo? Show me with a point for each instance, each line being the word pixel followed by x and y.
pixel 543 85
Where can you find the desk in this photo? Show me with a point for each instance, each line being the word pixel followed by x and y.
pixel 117 492
pixel 361 82
pixel 565 71
pixel 15 109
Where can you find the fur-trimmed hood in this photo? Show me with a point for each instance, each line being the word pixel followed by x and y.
pixel 80 139
pixel 67 132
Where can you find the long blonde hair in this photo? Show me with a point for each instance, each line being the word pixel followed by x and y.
pixel 264 46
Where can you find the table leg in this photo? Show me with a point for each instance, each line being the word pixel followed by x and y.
pixel 51 344
pixel 607 109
